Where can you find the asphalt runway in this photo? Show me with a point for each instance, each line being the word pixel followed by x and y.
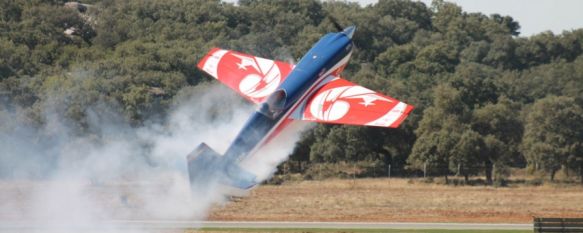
pixel 167 224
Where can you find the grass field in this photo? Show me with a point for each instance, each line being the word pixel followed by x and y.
pixel 402 200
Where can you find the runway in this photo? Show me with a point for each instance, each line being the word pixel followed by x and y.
pixel 170 224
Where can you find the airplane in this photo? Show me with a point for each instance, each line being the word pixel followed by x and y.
pixel 312 90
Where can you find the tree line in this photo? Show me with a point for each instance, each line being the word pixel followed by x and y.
pixel 487 99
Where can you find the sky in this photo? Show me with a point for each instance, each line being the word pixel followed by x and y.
pixel 534 16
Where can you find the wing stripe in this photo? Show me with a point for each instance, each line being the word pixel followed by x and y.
pixel 392 116
pixel 211 63
pixel 402 117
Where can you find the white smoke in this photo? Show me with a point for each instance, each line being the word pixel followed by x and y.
pixel 264 162
pixel 118 171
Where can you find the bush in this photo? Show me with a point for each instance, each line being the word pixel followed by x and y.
pixel 500 183
pixel 535 182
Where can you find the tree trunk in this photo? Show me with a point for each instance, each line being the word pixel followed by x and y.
pixel 446 179
pixel 466 178
pixel 388 160
pixel 581 172
pixel 567 172
pixel 488 166
pixel 553 174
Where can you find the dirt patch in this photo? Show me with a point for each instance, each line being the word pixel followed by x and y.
pixel 401 200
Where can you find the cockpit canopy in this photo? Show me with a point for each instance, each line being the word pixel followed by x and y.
pixel 274 105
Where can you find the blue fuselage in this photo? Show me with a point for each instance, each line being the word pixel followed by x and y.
pixel 330 52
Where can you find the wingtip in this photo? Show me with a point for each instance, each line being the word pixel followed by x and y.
pixel 403 116
pixel 202 61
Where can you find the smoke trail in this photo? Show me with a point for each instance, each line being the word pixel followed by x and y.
pixel 66 176
pixel 60 175
pixel 266 160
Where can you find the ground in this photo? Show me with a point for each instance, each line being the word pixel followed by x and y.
pixel 348 231
pixel 359 200
pixel 402 200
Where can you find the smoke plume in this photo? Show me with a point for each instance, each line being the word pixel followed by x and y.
pixel 117 171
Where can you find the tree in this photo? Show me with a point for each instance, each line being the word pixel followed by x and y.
pixel 467 74
pixel 500 126
pixel 553 134
pixel 467 153
pixel 432 151
pixel 301 152
pixel 439 131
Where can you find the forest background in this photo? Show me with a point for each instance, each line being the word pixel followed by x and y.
pixel 488 101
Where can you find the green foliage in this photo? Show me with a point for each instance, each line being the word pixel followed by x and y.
pixel 553 136
pixel 469 75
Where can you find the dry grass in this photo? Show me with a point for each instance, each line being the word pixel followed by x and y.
pixel 371 200
pixel 401 200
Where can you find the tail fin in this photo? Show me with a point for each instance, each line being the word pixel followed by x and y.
pixel 205 166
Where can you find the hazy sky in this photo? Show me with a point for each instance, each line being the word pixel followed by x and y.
pixel 534 16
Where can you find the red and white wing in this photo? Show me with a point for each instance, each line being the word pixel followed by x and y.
pixel 253 77
pixel 342 102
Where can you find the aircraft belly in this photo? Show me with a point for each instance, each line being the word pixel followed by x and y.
pixel 255 130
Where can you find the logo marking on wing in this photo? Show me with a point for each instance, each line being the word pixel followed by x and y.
pixel 333 104
pixel 262 80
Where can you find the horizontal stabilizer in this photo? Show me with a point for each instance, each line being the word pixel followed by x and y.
pixel 206 166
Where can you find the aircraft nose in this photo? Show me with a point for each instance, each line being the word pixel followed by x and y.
pixel 349 31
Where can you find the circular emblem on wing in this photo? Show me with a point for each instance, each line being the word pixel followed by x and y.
pixel 335 103
pixel 250 83
pixel 326 106
pixel 262 78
